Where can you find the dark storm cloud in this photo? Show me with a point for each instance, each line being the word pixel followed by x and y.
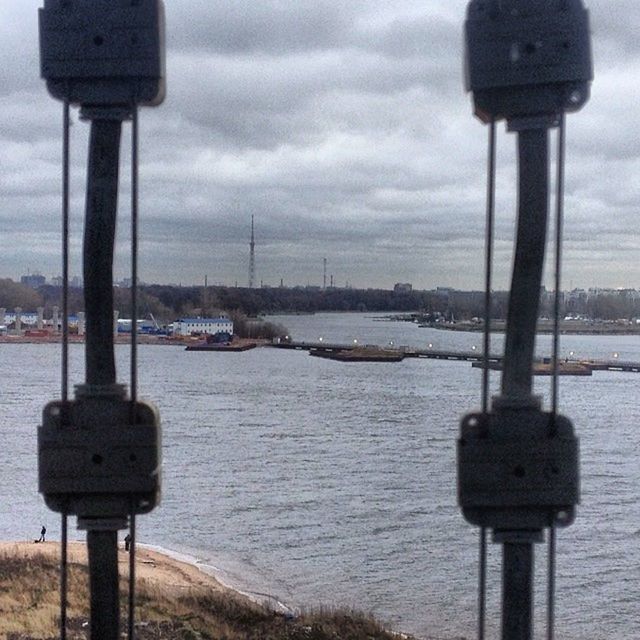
pixel 343 128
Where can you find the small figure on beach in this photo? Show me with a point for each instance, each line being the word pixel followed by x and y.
pixel 127 542
pixel 43 533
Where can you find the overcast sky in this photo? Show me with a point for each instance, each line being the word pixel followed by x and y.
pixel 344 128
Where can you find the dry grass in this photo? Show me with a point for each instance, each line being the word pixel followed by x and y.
pixel 29 604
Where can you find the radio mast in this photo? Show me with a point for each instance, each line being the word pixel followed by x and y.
pixel 252 258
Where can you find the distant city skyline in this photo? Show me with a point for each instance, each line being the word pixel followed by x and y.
pixel 399 287
pixel 343 128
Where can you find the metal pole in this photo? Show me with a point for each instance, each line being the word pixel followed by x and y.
pixel 517 589
pixel 99 239
pixel 103 578
pixel 517 378
pixel 524 295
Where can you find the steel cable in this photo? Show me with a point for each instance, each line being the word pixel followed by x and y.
pixel 482 583
pixel 482 577
pixel 491 181
pixel 558 264
pixel 559 223
pixel 134 347
pixel 64 391
pixel 65 252
pixel 63 577
pixel 134 260
pixel 551 583
pixel 132 576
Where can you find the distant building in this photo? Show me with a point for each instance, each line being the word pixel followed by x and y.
pixel 208 326
pixel 34 280
pixel 402 287
pixel 75 282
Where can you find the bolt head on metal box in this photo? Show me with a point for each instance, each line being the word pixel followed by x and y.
pixel 93 462
pixel 517 469
pixel 103 52
pixel 527 58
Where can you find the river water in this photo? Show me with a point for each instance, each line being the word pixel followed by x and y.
pixel 325 483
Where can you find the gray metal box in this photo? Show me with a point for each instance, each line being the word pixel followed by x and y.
pixel 103 52
pixel 93 462
pixel 527 58
pixel 517 470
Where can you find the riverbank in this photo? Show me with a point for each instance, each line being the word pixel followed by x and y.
pixel 567 327
pixel 175 600
pixel 54 338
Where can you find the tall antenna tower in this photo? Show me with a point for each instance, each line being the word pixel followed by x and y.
pixel 324 277
pixel 252 258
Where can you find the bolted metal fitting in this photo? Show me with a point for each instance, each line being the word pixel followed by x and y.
pixel 517 469
pixel 94 461
pixel 103 52
pixel 527 58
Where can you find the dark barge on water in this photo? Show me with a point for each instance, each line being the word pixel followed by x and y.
pixel 359 354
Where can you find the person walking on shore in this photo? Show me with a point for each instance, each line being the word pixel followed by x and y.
pixel 127 542
pixel 43 533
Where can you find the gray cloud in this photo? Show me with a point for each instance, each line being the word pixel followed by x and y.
pixel 343 128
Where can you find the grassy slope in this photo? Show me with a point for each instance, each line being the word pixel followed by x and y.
pixel 29 605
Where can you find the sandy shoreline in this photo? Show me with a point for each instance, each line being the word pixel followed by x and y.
pixel 175 599
pixel 151 566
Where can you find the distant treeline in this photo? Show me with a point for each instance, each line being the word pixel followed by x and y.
pixel 168 302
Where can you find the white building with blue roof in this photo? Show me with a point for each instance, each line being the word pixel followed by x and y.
pixel 208 326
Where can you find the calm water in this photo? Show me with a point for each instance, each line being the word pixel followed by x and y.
pixel 327 483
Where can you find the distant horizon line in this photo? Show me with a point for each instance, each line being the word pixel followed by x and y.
pixel 76 283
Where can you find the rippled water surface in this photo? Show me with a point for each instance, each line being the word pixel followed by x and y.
pixel 327 483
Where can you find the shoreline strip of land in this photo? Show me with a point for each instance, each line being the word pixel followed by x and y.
pixel 175 599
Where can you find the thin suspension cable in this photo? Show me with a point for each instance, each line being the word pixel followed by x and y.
pixel 134 348
pixel 482 583
pixel 482 574
pixel 63 578
pixel 558 263
pixel 132 575
pixel 488 263
pixel 551 583
pixel 65 253
pixel 65 347
pixel 134 260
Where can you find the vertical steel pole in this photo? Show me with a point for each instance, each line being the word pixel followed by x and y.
pixel 99 240
pixel 517 378
pixel 103 578
pixel 517 590
pixel 524 296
